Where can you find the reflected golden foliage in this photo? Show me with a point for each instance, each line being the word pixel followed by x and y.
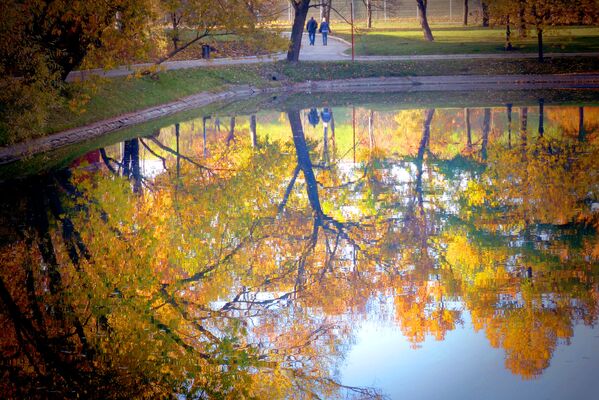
pixel 245 270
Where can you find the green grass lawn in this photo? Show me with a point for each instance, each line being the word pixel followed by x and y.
pixel 121 95
pixel 347 69
pixel 111 97
pixel 407 39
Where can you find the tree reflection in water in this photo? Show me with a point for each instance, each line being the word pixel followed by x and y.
pixel 243 270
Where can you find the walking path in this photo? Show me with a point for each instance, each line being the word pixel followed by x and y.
pixel 334 51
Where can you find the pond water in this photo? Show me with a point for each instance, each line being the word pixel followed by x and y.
pixel 337 250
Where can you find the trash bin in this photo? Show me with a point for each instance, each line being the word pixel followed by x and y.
pixel 205 51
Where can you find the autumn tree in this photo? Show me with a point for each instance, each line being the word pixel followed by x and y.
pixel 65 32
pixel 539 15
pixel 208 19
pixel 485 13
pixel 543 13
pixel 505 13
pixel 161 241
pixel 43 41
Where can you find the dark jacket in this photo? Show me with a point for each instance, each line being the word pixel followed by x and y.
pixel 324 27
pixel 326 114
pixel 311 26
pixel 313 117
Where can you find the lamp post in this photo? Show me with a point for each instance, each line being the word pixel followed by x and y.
pixel 351 6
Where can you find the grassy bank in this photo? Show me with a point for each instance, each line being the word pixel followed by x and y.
pixel 348 70
pixel 110 97
pixel 408 40
pixel 121 95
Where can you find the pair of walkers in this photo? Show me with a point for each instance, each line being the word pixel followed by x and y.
pixel 311 27
pixel 314 118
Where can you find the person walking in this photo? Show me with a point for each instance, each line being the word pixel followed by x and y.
pixel 326 115
pixel 324 29
pixel 313 117
pixel 311 27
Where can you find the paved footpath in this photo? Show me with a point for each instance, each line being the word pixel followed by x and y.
pixel 336 50
pixel 332 52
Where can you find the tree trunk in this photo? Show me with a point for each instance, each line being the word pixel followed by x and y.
pixel 175 30
pixel 522 21
pixel 426 132
pixel 523 125
pixel 486 130
pixel 288 190
pixel 581 13
pixel 509 126
pixel 303 160
pixel 38 218
pixel 541 117
pixel 131 168
pixel 231 135
pixel 428 35
pixel 371 129
pixel 301 8
pixel 253 135
pixel 465 12
pixel 368 14
pixel 468 128
pixel 581 131
pixel 205 138
pixel 325 148
pixel 540 44
pixel 508 35
pixel 327 10
pixel 485 12
pixel 177 137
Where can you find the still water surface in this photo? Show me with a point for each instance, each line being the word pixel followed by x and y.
pixel 354 251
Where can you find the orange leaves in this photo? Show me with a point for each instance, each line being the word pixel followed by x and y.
pixel 200 277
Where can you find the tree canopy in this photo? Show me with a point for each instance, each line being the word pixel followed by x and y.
pixel 44 40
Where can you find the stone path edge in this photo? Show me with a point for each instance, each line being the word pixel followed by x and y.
pixel 18 151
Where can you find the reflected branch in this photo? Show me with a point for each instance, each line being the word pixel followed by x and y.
pixel 154 153
pixel 183 157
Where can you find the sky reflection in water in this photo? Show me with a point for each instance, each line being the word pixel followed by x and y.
pixel 415 253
